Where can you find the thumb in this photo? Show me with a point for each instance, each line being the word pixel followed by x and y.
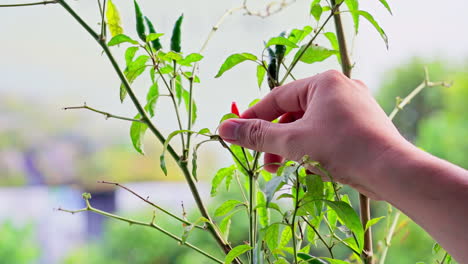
pixel 254 134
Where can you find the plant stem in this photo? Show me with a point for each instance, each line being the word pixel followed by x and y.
pixel 135 222
pixel 388 237
pixel 252 216
pixel 293 221
pixel 106 114
pixel 364 201
pixel 319 236
pixel 32 4
pixel 150 203
pixel 183 166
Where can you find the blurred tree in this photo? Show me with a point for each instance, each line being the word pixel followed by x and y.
pixel 400 81
pixel 445 134
pixel 17 244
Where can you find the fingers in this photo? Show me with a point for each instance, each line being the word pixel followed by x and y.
pixel 291 97
pixel 255 134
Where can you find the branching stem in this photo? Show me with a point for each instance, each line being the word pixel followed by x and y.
pixel 32 4
pixel 106 114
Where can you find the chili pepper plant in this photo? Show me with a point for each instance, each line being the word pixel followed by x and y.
pixel 290 213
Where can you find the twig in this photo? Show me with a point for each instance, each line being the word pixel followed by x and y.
pixel 319 236
pixel 150 203
pixel 269 10
pixel 398 107
pixel 135 222
pixel 106 114
pixel 32 4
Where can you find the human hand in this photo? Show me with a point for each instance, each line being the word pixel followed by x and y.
pixel 329 117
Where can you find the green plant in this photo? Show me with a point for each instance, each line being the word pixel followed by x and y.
pixel 315 211
pixel 17 244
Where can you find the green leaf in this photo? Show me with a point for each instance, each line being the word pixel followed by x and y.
pixel 225 225
pixel 140 24
pixel 272 236
pixel 280 41
pixel 155 43
pixel 233 60
pixel 334 43
pixel 195 154
pixel 228 116
pixel 186 97
pixel 436 248
pixel 373 221
pixel 226 207
pixel 204 131
pixel 133 70
pixel 353 6
pixel 152 98
pixel 272 186
pixel 171 56
pixel 193 57
pixel 188 229
pixel 387 6
pixel 286 236
pixel 121 38
pixel 137 133
pixel 260 75
pixel 114 22
pixel 310 259
pixel 314 54
pixel 262 210
pixel 235 252
pixel 219 177
pixel 348 216
pixel 177 35
pixel 153 36
pixel 316 11
pixel 130 54
pixel 376 25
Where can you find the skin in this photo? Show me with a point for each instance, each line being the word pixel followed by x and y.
pixel 336 121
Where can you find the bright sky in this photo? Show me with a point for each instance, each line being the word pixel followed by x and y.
pixel 46 56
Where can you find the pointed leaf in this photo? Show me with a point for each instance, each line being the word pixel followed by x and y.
pixel 272 236
pixel 373 221
pixel 260 75
pixel 316 11
pixel 152 98
pixel 262 210
pixel 137 133
pixel 353 6
pixel 286 236
pixel 155 43
pixel 153 36
pixel 280 40
pixel 227 207
pixel 121 38
pixel 219 177
pixel 314 54
pixel 130 54
pixel 387 6
pixel 376 25
pixel 235 252
pixel 271 187
pixel 334 43
pixel 233 60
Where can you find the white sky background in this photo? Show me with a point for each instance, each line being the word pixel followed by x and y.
pixel 46 56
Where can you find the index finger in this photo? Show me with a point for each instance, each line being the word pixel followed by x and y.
pixel 291 97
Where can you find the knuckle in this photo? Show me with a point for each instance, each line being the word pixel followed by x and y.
pixel 332 77
pixel 255 136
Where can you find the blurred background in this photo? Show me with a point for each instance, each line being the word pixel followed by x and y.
pixel 48 156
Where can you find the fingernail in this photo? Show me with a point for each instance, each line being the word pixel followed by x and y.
pixel 229 130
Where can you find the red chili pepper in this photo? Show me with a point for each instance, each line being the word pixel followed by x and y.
pixel 234 109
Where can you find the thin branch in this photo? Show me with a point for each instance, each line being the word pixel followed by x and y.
pixel 319 236
pixel 106 114
pixel 271 9
pixel 150 203
pixel 32 4
pixel 388 237
pixel 136 222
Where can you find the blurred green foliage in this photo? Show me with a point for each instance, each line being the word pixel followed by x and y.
pixel 17 244
pixel 445 134
pixel 400 81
